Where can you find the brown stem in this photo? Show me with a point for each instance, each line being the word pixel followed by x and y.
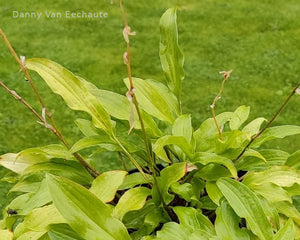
pixel 135 102
pixel 28 77
pixel 127 48
pixel 53 127
pixel 270 122
pixel 212 106
pixel 93 172
pixel 16 96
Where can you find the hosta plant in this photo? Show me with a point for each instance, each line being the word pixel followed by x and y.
pixel 213 181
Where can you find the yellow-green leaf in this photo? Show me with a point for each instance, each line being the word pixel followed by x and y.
pixel 183 127
pixel 246 205
pixel 84 212
pixel 72 90
pixel 171 57
pixel 133 199
pixel 239 116
pixel 179 141
pixel 106 185
pixel 287 232
pixel 227 224
pixel 155 98
pixel 6 235
pixel 118 106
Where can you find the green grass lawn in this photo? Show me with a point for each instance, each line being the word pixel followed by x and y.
pixel 258 39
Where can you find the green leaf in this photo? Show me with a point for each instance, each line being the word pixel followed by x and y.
pixel 193 219
pixel 51 151
pixel 247 205
pixel 208 131
pixel 276 132
pixel 68 169
pixel 296 201
pixel 294 160
pixel 39 220
pixel 133 199
pixel 86 127
pixel 183 127
pixel 230 140
pixel 119 107
pixel 155 98
pixel 31 156
pixel 198 186
pixel 26 184
pixel 207 158
pixel 184 190
pixel 260 161
pixel 115 104
pixel 271 192
pixel 27 202
pixel 287 232
pixel 172 230
pixel 253 127
pixel 92 141
pixel 252 153
pixel 227 224
pixel 289 210
pixel 207 203
pixel 214 192
pixel 274 157
pixel 240 115
pixel 72 90
pixel 32 235
pixel 62 231
pixel 145 219
pixel 150 222
pixel 283 176
pixel 106 185
pixel 6 235
pixel 19 162
pixel 84 212
pixel 8 161
pixel 171 57
pixel 134 179
pixel 212 172
pixel 271 212
pixel 168 176
pixel 179 141
pixel 293 190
